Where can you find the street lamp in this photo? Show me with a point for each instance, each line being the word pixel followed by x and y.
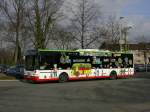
pixel 125 31
pixel 121 42
pixel 123 35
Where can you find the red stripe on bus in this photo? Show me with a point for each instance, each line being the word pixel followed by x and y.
pixel 89 77
pixel 36 78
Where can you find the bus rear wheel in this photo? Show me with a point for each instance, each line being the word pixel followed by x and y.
pixel 63 77
pixel 113 75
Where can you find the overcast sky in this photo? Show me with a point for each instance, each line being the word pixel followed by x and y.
pixel 136 13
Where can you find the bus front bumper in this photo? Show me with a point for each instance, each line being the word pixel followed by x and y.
pixel 31 78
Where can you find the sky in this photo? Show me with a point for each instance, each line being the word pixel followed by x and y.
pixel 136 13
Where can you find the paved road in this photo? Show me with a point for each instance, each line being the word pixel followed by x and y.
pixel 123 95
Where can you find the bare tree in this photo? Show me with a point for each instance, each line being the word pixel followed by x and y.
pixel 85 15
pixel 99 36
pixel 13 11
pixel 62 38
pixel 6 56
pixel 42 17
pixel 113 28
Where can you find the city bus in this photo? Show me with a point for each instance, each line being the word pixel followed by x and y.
pixel 63 65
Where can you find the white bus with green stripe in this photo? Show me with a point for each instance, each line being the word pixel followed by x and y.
pixel 64 65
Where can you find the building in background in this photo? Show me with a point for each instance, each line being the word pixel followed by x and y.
pixel 141 51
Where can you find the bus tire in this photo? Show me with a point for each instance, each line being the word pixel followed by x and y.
pixel 113 75
pixel 63 77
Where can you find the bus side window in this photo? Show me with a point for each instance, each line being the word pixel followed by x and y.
pixel 97 63
pixel 113 63
pixel 106 62
pixel 43 66
pixel 130 63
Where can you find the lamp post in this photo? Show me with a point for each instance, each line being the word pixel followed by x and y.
pixel 121 42
pixel 123 35
pixel 126 29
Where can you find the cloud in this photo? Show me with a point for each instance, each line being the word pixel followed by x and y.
pixel 115 6
pixel 141 27
pixel 140 23
pixel 119 8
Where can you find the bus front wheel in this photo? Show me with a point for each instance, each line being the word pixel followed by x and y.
pixel 63 77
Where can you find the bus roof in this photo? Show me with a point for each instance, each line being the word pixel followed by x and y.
pixel 49 50
pixel 79 50
pixel 85 50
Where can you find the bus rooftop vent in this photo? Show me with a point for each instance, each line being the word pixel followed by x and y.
pixel 92 50
pixel 88 50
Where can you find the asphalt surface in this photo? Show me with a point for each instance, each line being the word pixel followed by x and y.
pixel 122 95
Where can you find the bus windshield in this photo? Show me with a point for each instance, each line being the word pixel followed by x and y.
pixel 31 62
